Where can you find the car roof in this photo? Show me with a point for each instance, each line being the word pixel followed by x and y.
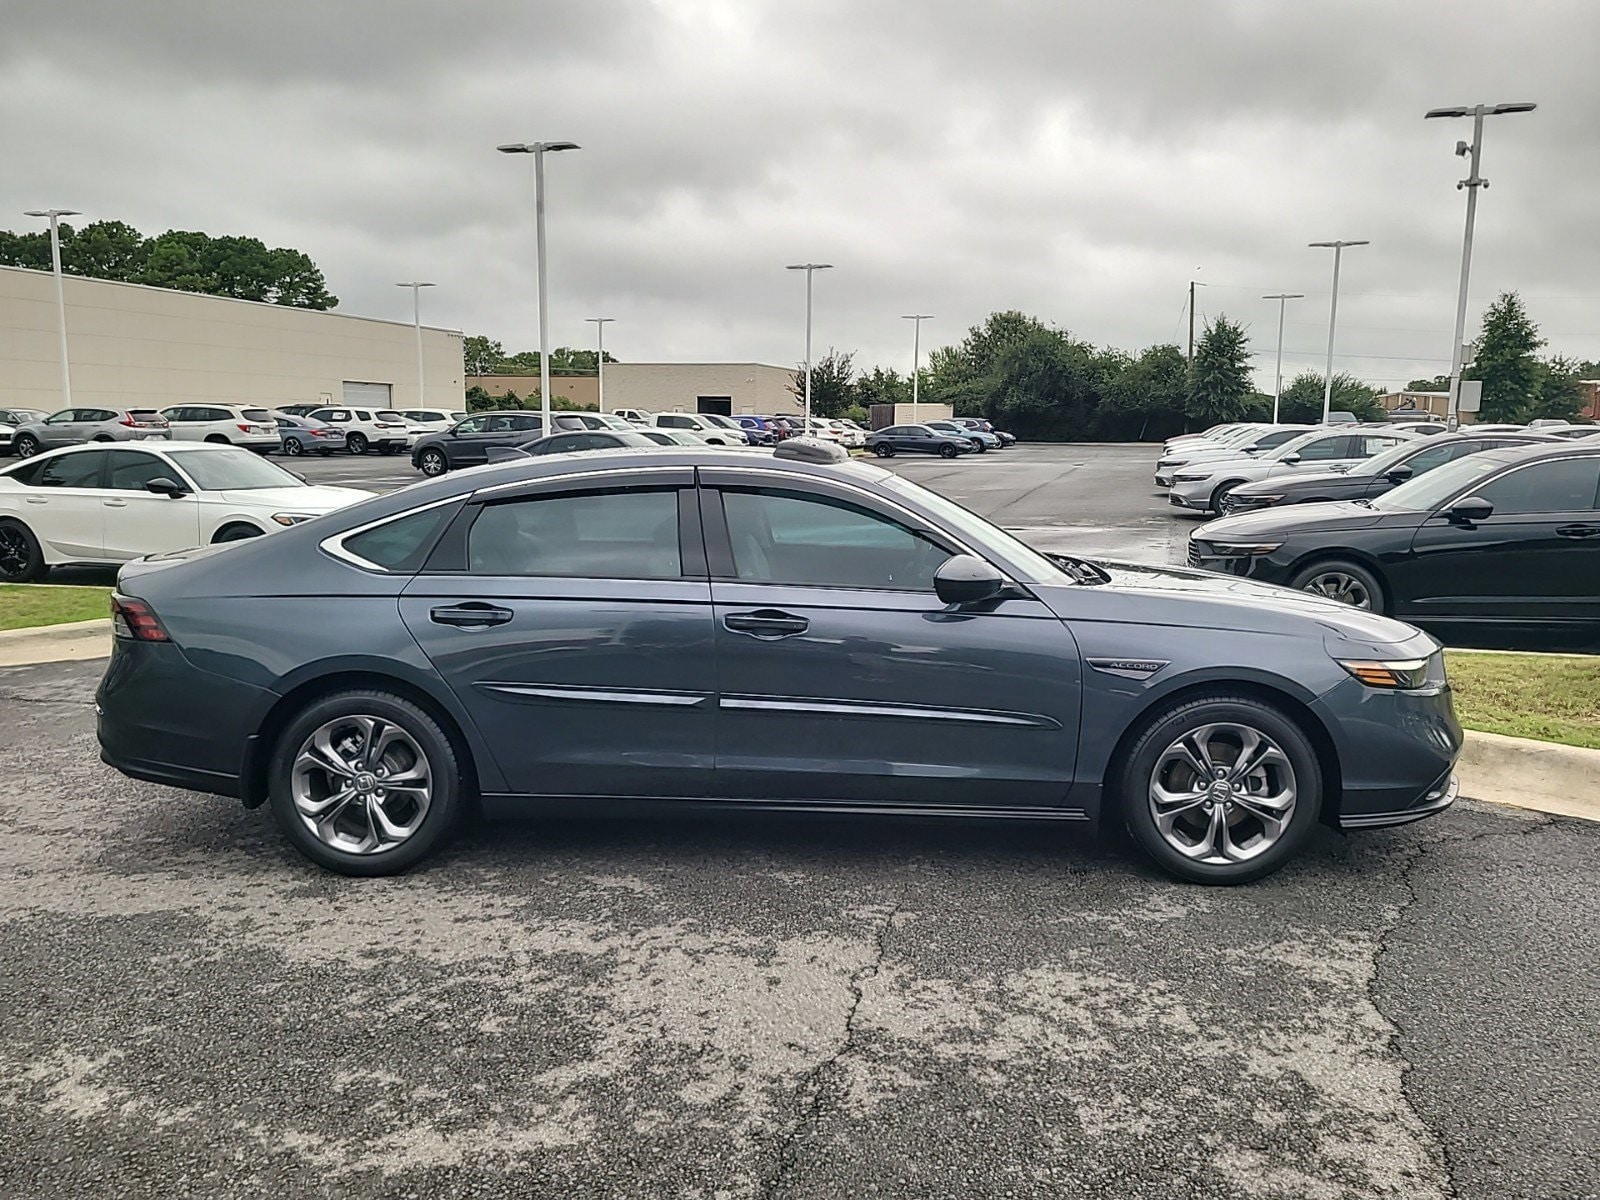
pixel 1551 448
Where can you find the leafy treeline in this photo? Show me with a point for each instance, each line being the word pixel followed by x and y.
pixel 187 261
pixel 1042 383
pixel 486 357
pixel 479 400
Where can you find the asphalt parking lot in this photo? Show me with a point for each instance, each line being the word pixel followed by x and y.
pixel 782 1007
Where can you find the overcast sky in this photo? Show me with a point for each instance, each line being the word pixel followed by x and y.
pixel 1077 160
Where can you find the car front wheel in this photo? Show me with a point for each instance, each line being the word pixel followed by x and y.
pixel 25 445
pixel 433 463
pixel 365 783
pixel 883 450
pixel 1221 789
pixel 1347 582
pixel 948 451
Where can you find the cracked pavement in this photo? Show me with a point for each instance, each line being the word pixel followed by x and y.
pixel 775 1006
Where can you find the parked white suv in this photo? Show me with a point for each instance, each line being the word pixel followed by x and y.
pixel 634 416
pixel 379 429
pixel 235 424
pixel 433 420
pixel 695 423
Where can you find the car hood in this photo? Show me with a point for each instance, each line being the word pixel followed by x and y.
pixel 296 499
pixel 1150 594
pixel 1295 519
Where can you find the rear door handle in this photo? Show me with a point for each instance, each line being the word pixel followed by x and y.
pixel 766 623
pixel 1578 531
pixel 471 615
pixel 36 500
pixel 115 503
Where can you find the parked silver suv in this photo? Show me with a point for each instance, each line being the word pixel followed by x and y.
pixel 74 426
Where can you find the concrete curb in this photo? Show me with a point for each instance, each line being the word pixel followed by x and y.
pixel 56 643
pixel 1544 776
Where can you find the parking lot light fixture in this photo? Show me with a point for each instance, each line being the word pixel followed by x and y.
pixel 1333 313
pixel 600 324
pixel 1277 393
pixel 1471 184
pixel 55 215
pixel 416 320
pixel 916 320
pixel 810 269
pixel 539 150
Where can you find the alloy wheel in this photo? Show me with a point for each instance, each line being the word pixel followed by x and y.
pixel 16 556
pixel 293 448
pixel 1340 586
pixel 26 445
pixel 433 463
pixel 1222 793
pixel 361 784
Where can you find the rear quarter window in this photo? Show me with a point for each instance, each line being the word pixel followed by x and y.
pixel 403 544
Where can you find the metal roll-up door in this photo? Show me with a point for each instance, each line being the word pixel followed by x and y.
pixel 366 395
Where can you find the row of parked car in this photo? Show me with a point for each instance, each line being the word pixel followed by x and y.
pixel 1488 530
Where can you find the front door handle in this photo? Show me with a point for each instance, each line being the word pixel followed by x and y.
pixel 766 623
pixel 471 615
pixel 36 500
pixel 115 503
pixel 1578 531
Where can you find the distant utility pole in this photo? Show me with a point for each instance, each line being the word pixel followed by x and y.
pixel 1281 298
pixel 55 215
pixel 416 287
pixel 916 355
pixel 600 324
pixel 1192 285
pixel 809 268
pixel 1471 183
pixel 1333 313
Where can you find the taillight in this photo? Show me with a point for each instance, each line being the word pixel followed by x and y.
pixel 135 619
pixel 128 421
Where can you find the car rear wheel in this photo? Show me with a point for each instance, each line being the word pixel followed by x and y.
pixel 1220 496
pixel 1347 582
pixel 433 463
pixel 1220 789
pixel 293 447
pixel 948 452
pixel 26 445
pixel 365 783
pixel 356 443
pixel 883 450
pixel 21 560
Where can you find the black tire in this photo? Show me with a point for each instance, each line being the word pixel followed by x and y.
pixel 101 437
pixel 25 445
pixel 978 446
pixel 1162 729
pixel 235 533
pixel 1319 578
pixel 21 559
pixel 1218 496
pixel 432 463
pixel 883 450
pixel 443 768
pixel 293 447
pixel 356 443
pixel 216 439
pixel 948 452
pixel 325 453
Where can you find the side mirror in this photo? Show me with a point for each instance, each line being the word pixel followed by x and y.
pixel 163 485
pixel 1468 510
pixel 1291 459
pixel 967 579
pixel 1400 474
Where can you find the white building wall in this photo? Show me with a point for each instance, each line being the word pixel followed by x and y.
pixel 676 387
pixel 148 347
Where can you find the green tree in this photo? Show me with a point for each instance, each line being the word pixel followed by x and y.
pixel 1220 388
pixel 1144 396
pixel 104 250
pixel 961 375
pixel 1559 397
pixel 1046 386
pixel 882 387
pixel 27 249
pixel 478 400
pixel 832 384
pixel 1439 383
pixel 1506 361
pixel 480 356
pixel 1302 399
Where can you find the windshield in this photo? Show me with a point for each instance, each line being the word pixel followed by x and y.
pixel 1428 492
pixel 232 469
pixel 1032 566
pixel 1293 446
pixel 1380 462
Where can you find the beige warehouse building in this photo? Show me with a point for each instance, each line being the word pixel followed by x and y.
pixel 727 388
pixel 144 347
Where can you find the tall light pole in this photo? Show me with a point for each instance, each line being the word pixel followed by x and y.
pixel 1277 394
pixel 416 320
pixel 1333 313
pixel 55 215
pixel 600 355
pixel 1471 183
pixel 916 320
pixel 539 150
pixel 809 269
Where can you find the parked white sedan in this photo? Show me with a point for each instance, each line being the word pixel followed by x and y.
pixel 110 504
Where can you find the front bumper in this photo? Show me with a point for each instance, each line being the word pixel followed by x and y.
pixel 1432 802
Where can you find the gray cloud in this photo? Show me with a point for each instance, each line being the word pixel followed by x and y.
pixel 1078 160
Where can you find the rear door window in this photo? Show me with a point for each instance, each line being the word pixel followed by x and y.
pixel 600 535
pixel 1565 485
pixel 1326 448
pixel 81 470
pixel 130 470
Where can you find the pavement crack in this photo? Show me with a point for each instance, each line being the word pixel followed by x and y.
pixel 814 1091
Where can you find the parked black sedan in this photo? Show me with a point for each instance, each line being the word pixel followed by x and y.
pixel 683 630
pixel 1373 476
pixel 1503 540
pixel 917 439
pixel 467 442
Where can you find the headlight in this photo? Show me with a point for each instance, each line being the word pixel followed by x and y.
pixel 292 518
pixel 1191 477
pixel 1244 549
pixel 1407 674
pixel 1265 499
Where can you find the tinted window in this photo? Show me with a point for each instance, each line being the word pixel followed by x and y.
pixel 897 430
pixel 676 422
pixel 472 425
pixel 100 414
pixel 787 537
pixel 72 470
pixel 1371 445
pixel 256 414
pixel 1334 447
pixel 215 469
pixel 130 470
pixel 1436 456
pixel 1277 438
pixel 1566 485
pixel 607 535
pixel 531 422
pixel 27 474
pixel 402 544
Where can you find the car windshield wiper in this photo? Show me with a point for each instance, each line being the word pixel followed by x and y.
pixel 1081 570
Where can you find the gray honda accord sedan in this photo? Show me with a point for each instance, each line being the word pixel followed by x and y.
pixel 654 630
